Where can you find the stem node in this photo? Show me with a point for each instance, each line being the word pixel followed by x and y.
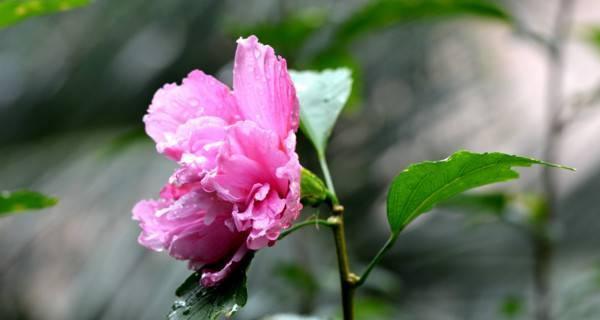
pixel 338 209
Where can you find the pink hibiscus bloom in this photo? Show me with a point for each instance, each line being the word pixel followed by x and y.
pixel 238 181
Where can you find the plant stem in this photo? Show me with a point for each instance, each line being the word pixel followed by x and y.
pixel 347 278
pixel 543 243
pixel 388 244
pixel 328 180
pixel 302 224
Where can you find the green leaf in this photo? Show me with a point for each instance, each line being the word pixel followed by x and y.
pixel 195 302
pixel 313 190
pixel 382 13
pixel 23 200
pixel 322 97
pixel 13 11
pixel 423 185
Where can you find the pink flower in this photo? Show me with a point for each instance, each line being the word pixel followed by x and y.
pixel 238 181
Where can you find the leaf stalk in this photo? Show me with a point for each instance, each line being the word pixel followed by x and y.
pixel 388 244
pixel 328 180
pixel 309 222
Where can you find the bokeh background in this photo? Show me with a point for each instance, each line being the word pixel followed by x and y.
pixel 428 81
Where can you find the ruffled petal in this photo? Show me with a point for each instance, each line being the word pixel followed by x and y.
pixel 195 226
pixel 263 88
pixel 152 235
pixel 263 217
pixel 174 105
pixel 249 156
pixel 291 172
pixel 211 277
pixel 206 244
pixel 260 174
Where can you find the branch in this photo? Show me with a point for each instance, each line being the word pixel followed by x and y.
pixel 303 224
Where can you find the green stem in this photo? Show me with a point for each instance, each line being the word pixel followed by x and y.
pixel 389 243
pixel 302 224
pixel 347 278
pixel 328 180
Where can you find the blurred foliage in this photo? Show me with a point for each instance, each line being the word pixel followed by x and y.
pixel 536 207
pixel 287 35
pixel 512 307
pixel 597 276
pixel 23 200
pixel 593 37
pixel 297 276
pixel 290 34
pixel 383 13
pixel 118 52
pixel 384 283
pixel 494 203
pixel 13 11
pixel 371 308
pixel 124 140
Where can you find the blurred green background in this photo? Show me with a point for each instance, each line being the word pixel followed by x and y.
pixel 431 77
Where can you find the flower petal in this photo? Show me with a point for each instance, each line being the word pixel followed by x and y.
pixel 196 226
pixel 264 217
pixel 263 89
pixel 260 174
pixel 291 172
pixel 211 277
pixel 249 156
pixel 174 105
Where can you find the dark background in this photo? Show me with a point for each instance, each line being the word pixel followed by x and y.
pixel 74 87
